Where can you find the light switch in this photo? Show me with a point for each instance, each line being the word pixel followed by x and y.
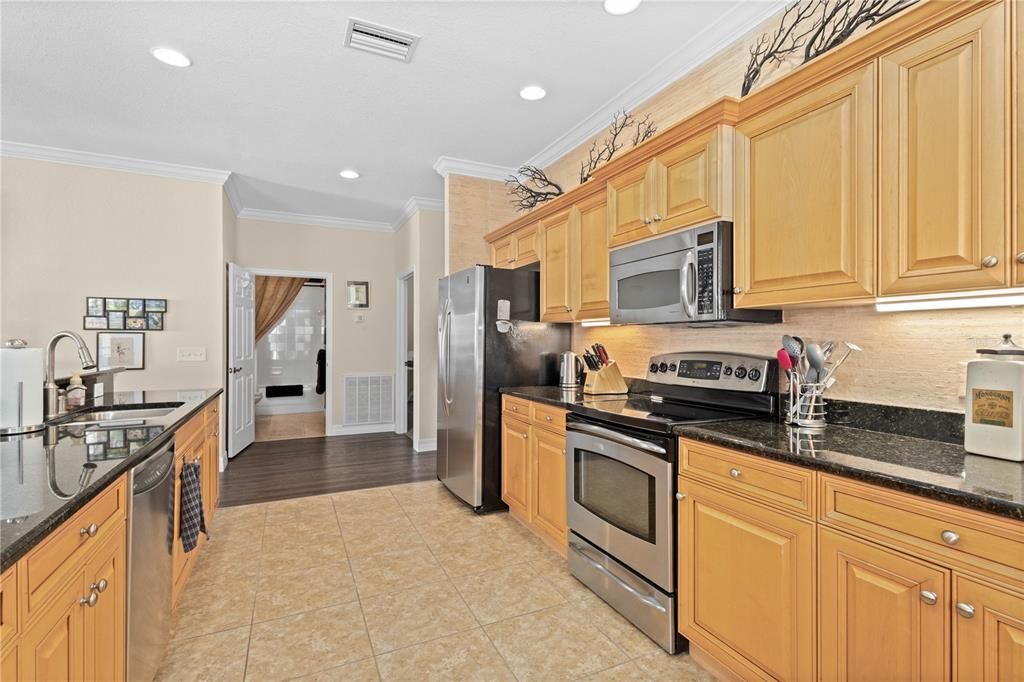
pixel 358 318
pixel 192 354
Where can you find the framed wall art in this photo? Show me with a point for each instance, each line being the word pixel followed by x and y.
pixel 121 349
pixel 358 294
pixel 136 314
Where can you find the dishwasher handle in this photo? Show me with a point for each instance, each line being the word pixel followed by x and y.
pixel 154 471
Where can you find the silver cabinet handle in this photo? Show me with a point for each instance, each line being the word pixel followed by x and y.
pixel 568 309
pixel 929 598
pixel 99 586
pixel 548 418
pixel 737 290
pixel 1020 257
pixel 89 530
pixel 510 260
pixel 647 221
pixel 965 610
pixel 657 218
pixel 735 473
pixel 90 600
pixel 989 261
pixel 513 408
pixel 563 451
pixel 949 537
pixel 525 435
pixel 680 496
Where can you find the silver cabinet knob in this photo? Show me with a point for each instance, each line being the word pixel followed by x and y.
pixel 680 496
pixel 513 408
pixel 511 260
pixel 657 218
pixel 965 610
pixel 989 261
pixel 950 538
pixel 1020 257
pixel 99 586
pixel 568 309
pixel 89 530
pixel 737 290
pixel 563 451
pixel 647 221
pixel 525 435
pixel 735 473
pixel 90 600
pixel 929 598
pixel 547 418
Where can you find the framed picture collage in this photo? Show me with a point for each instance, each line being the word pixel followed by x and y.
pixel 119 324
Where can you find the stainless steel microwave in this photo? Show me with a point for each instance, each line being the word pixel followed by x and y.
pixel 681 278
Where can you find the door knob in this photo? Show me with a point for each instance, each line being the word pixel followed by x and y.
pixel 929 598
pixel 989 261
pixel 965 610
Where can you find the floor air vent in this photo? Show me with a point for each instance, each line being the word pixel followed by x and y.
pixel 369 399
pixel 380 40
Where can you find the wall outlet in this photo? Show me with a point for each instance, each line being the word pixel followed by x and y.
pixel 192 354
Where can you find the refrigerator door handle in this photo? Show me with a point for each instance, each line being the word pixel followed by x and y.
pixel 444 342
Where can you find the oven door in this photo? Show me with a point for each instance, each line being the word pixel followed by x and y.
pixel 620 497
pixel 658 289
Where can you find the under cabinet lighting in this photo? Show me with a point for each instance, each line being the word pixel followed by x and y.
pixel 349 174
pixel 962 299
pixel 532 93
pixel 170 57
pixel 620 7
pixel 597 322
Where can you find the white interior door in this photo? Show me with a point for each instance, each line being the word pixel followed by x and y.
pixel 241 359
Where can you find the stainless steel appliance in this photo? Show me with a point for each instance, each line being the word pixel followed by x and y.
pixel 151 534
pixel 570 368
pixel 622 468
pixel 488 337
pixel 683 277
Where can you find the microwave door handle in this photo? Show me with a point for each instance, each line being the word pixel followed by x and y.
pixel 582 551
pixel 611 435
pixel 689 285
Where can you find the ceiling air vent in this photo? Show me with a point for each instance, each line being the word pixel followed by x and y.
pixel 387 42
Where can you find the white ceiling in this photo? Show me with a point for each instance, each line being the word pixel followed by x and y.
pixel 273 96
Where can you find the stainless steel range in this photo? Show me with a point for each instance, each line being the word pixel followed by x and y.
pixel 622 468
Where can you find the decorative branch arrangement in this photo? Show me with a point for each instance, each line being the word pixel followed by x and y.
pixel 813 27
pixel 531 187
pixel 604 151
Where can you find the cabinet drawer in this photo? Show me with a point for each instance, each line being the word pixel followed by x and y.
pixel 549 416
pixel 516 406
pixel 783 485
pixel 951 534
pixel 60 554
pixel 9 605
pixel 192 429
pixel 212 413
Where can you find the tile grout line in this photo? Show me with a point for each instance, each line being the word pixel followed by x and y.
pixel 252 614
pixel 359 600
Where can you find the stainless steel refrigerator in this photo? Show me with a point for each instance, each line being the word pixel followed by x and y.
pixel 488 337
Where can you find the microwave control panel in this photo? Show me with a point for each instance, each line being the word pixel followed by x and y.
pixel 706 281
pixel 708 369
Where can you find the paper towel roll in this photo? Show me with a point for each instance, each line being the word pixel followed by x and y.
pixel 22 374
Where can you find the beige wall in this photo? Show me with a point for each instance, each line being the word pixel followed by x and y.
pixel 366 347
pixel 473 207
pixel 70 232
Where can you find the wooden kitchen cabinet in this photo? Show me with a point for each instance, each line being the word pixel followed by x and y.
pixel 9 664
pixel 630 205
pixel 988 631
pixel 104 631
pixel 883 614
pixel 515 465
pixel 746 573
pixel 520 248
pixel 805 196
pixel 53 647
pixel 556 288
pixel 1018 112
pixel 574 263
pixel 548 504
pixel 943 176
pixel 181 561
pixel 693 182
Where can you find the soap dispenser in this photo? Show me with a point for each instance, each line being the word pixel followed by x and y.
pixel 75 392
pixel 994 421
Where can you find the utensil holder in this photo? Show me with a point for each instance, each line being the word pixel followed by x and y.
pixel 605 381
pixel 806 404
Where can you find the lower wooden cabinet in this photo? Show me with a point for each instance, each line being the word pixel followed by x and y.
pixel 548 506
pixel 106 574
pixel 883 615
pixel 53 648
pixel 988 631
pixel 515 465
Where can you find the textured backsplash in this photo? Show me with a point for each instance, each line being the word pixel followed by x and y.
pixel 913 359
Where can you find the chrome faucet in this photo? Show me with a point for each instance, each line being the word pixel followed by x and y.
pixel 50 387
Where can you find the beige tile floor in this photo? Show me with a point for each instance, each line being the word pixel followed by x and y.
pixel 288 426
pixel 400 583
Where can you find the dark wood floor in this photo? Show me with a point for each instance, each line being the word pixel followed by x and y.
pixel 280 470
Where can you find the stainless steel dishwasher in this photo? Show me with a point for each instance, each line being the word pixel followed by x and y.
pixel 151 533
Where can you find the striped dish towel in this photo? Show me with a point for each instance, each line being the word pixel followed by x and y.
pixel 192 520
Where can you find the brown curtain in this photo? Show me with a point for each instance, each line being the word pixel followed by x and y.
pixel 274 295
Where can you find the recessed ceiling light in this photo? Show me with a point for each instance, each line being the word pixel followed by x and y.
pixel 349 174
pixel 533 93
pixel 619 7
pixel 170 57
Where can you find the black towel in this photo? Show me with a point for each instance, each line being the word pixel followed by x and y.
pixel 321 371
pixel 192 520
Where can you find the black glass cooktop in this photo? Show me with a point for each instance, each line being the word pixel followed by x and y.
pixel 660 414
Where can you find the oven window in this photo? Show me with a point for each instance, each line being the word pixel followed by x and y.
pixel 649 290
pixel 616 492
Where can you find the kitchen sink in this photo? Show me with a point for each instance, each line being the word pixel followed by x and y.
pixel 106 416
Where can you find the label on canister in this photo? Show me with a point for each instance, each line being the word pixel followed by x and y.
pixel 992 407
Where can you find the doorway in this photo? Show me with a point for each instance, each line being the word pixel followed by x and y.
pixel 405 371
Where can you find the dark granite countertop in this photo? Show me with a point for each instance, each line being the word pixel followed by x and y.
pixel 930 468
pixel 47 476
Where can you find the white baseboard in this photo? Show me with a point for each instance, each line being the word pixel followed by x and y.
pixel 425 445
pixel 341 430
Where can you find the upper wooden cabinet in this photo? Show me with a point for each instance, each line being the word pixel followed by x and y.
pixel 1018 247
pixel 805 197
pixel 556 271
pixel 517 249
pixel 943 172
pixel 630 205
pixel 574 263
pixel 693 182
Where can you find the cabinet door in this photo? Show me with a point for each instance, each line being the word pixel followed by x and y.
pixel 555 270
pixel 526 248
pixel 747 578
pixel 876 613
pixel 9 669
pixel 942 168
pixel 503 253
pixel 515 466
pixel 988 632
pixel 1018 248
pixel 547 455
pixel 805 197
pixel 105 621
pixel 689 182
pixel 590 250
pixel 180 561
pixel 54 647
pixel 629 206
pixel 211 469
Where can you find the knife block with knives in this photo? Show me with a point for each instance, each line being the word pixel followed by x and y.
pixel 605 381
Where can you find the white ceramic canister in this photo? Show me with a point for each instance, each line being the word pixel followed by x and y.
pixel 994 421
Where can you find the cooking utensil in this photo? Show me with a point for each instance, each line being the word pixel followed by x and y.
pixel 785 361
pixel 794 345
pixel 816 360
pixel 850 348
pixel 602 353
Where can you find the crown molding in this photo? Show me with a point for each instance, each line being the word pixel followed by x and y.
pixel 232 193
pixel 21 150
pixel 742 18
pixel 449 165
pixel 315 220
pixel 415 204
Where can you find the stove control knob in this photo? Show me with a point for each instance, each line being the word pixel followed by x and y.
pixel 754 374
pixel 672 367
pixel 654 368
pixel 741 372
pixel 663 367
pixel 727 371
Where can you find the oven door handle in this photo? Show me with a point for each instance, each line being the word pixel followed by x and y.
pixel 582 551
pixel 622 438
